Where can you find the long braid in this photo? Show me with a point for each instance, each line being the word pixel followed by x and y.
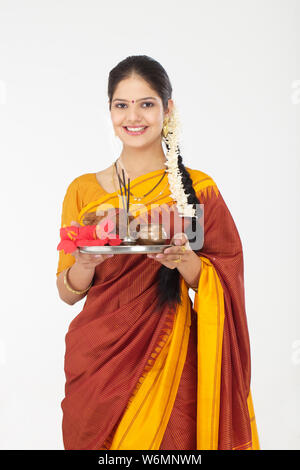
pixel 169 279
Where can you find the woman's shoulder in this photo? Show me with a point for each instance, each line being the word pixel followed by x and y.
pixel 200 179
pixel 85 178
pixel 82 188
pixel 82 181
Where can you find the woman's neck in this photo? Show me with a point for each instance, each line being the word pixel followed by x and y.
pixel 138 162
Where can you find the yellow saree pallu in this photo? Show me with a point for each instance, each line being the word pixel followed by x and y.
pixel 124 357
pixel 209 304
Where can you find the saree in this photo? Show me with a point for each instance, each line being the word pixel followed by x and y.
pixel 143 377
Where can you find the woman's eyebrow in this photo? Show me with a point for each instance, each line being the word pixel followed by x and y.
pixel 146 98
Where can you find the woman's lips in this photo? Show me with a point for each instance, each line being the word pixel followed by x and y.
pixel 135 132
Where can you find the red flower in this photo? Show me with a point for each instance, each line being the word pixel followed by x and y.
pixel 73 236
pixel 114 239
pixel 85 242
pixel 68 237
pixel 67 245
pixel 87 232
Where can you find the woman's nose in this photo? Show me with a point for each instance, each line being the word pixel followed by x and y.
pixel 133 115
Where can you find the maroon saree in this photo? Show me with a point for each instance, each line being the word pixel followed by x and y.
pixel 119 334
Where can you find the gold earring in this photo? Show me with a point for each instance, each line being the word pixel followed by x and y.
pixel 165 129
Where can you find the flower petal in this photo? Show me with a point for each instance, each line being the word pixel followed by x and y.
pixel 67 245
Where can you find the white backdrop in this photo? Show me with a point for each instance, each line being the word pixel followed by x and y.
pixel 235 71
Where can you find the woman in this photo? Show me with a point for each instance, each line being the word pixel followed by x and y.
pixel 146 369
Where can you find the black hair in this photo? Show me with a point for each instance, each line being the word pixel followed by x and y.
pixel 156 76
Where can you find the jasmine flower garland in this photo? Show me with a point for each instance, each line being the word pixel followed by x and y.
pixel 176 187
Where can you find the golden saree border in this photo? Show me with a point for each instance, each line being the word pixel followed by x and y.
pixel 255 440
pixel 209 306
pixel 144 422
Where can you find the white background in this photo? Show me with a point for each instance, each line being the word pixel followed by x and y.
pixel 235 71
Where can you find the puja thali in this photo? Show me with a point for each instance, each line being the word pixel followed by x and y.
pixel 123 249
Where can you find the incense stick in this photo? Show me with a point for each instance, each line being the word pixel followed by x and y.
pixel 123 203
pixel 124 182
pixel 126 199
pixel 128 194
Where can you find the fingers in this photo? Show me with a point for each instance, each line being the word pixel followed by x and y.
pixel 179 239
pixel 172 254
pixel 165 261
pixel 94 257
pixel 89 259
pixel 74 253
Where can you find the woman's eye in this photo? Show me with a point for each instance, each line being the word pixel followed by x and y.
pixel 120 105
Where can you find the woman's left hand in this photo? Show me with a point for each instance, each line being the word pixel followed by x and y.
pixel 175 255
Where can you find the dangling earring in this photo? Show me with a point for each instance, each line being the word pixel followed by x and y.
pixel 165 128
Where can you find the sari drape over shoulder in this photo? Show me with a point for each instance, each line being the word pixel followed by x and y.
pixel 143 377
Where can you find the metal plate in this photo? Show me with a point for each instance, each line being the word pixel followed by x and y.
pixel 123 249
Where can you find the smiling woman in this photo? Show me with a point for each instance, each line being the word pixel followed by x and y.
pixel 145 368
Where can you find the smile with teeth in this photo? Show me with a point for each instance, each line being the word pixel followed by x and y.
pixel 135 130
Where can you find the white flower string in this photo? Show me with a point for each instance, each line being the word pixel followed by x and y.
pixel 176 187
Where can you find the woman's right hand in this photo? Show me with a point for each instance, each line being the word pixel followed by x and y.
pixel 88 260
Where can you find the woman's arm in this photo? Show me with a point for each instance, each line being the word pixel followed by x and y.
pixel 79 278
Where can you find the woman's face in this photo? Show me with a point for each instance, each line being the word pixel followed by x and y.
pixel 135 104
